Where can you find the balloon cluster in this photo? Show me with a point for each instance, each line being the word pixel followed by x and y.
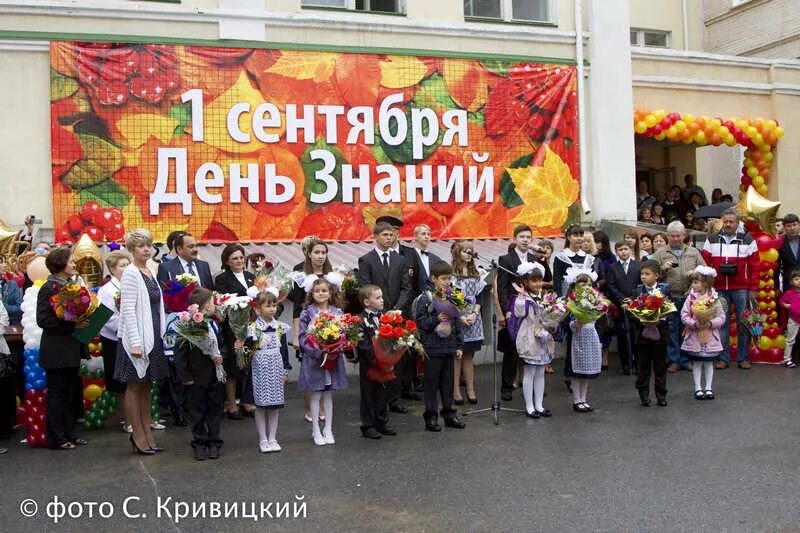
pixel 768 348
pixel 33 406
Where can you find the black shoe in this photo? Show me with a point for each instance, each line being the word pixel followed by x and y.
pixel 157 448
pixel 645 402
pixel 709 394
pixel 533 414
pixel 506 396
pixel 236 415
pixel 387 430
pixel 397 408
pixel 432 425
pixel 662 402
pixel 138 450
pixel 546 413
pixel 460 401
pixel 199 454
pixel 371 433
pixel 411 396
pixel 588 407
pixel 579 408
pixel 454 422
pixel 213 452
pixel 473 401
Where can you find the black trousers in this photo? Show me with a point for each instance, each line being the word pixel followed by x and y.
pixel 374 413
pixel 625 346
pixel 438 379
pixel 652 357
pixel 62 387
pixel 172 394
pixel 508 373
pixel 204 407
pixel 8 404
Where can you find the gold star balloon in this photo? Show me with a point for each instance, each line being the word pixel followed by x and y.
pixel 755 208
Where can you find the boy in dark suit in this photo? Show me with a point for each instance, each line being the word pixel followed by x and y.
pixel 197 370
pixel 438 374
pixel 652 347
pixel 374 416
pixel 523 236
pixel 389 270
pixel 622 278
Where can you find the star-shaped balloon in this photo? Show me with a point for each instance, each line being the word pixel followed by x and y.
pixel 756 208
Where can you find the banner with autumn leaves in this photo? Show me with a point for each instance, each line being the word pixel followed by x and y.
pixel 114 106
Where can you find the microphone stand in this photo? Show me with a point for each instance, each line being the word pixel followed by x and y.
pixel 496 406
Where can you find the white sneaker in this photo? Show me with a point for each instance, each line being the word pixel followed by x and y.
pixel 128 428
pixel 157 426
pixel 264 446
pixel 274 446
pixel 318 439
pixel 328 436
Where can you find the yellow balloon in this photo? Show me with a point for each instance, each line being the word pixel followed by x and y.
pixel 764 342
pixel 723 130
pixel 770 255
pixel 688 117
pixel 640 127
pixel 779 132
pixel 716 123
pixel 659 114
pixel 768 157
pixel 672 131
pixel 700 138
pixel 758 181
pixel 650 120
pixel 762 294
pixel 779 342
pixel 771 124
pixel 752 172
pixel 756 208
pixel 680 126
pixel 748 162
pixel 92 392
pixel 730 140
pixel 661 136
pixel 762 191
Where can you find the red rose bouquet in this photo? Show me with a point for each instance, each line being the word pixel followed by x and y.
pixel 394 337
pixel 74 302
pixel 649 309
pixel 176 292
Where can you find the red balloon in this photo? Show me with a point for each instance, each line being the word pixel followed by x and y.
pixel 90 212
pixel 764 267
pixel 115 232
pixel 754 351
pixel 777 242
pixel 772 320
pixel 764 243
pixel 774 355
pixel 771 332
pixel 94 233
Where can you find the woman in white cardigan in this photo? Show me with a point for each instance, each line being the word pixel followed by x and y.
pixel 140 352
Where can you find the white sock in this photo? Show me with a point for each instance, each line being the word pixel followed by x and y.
pixel 538 387
pixel 272 416
pixel 327 405
pixel 576 390
pixel 709 368
pixel 261 423
pixel 697 374
pixel 584 390
pixel 527 387
pixel 314 407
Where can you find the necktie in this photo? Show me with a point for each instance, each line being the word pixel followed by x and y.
pixel 625 267
pixel 424 252
pixel 386 260
pixel 190 264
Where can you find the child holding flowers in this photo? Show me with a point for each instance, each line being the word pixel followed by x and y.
pixel 322 371
pixel 791 302
pixel 584 351
pixel 198 363
pixel 703 316
pixel 535 344
pixel 266 341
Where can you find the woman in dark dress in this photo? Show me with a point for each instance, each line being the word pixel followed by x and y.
pixel 59 354
pixel 233 279
pixel 140 352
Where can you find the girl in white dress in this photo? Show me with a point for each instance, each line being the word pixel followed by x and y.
pixel 266 338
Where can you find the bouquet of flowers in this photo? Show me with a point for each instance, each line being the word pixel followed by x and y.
pixel 270 276
pixel 704 308
pixel 237 310
pixel 649 309
pixel 554 309
pixel 74 302
pixel 452 302
pixel 334 335
pixel 192 326
pixel 392 340
pixel 753 319
pixel 587 304
pixel 176 292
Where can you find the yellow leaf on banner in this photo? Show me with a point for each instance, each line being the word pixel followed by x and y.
pixel 467 82
pixel 317 66
pixel 138 128
pixel 216 117
pixel 547 192
pixel 398 72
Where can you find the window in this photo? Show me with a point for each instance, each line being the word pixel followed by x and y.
pixel 650 38
pixel 510 10
pixel 384 6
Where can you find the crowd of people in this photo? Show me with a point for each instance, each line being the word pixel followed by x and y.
pixel 677 204
pixel 202 383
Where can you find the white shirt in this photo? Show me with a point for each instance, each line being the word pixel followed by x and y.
pixel 426 260
pixel 381 252
pixel 523 258
pixel 240 277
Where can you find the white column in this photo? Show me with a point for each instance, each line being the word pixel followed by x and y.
pixel 612 171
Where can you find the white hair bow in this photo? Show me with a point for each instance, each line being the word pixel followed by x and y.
pixel 573 273
pixel 526 268
pixel 705 271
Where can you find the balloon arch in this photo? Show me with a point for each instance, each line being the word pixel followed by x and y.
pixel 759 137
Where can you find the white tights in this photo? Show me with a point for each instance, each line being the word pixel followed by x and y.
pixel 327 406
pixel 533 387
pixel 266 418
pixel 697 372
pixel 580 388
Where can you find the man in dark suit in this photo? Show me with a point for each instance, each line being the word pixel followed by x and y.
pixel 622 279
pixel 523 238
pixel 387 269
pixel 186 262
pixel 789 253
